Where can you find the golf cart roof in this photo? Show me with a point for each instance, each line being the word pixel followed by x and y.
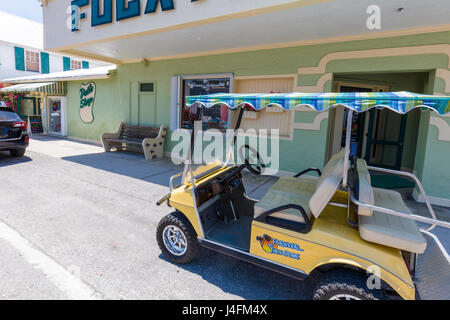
pixel 400 102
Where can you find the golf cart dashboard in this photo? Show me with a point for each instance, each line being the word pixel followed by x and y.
pixel 214 187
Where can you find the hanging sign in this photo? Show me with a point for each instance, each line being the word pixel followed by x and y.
pixel 87 99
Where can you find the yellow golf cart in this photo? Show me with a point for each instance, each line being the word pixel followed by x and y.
pixel 356 241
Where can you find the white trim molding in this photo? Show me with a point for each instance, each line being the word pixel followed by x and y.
pixel 434 200
pixel 315 125
pixel 443 128
pixel 376 53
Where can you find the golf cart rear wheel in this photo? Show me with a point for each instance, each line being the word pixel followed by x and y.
pixel 345 285
pixel 177 238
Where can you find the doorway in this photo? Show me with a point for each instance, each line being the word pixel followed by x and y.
pixel 56 110
pixel 377 136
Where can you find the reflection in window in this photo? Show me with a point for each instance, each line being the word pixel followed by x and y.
pixel 213 118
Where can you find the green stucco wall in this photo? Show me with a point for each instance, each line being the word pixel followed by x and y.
pixel 116 96
pixel 435 170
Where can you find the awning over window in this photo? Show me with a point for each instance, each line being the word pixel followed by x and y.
pixel 45 87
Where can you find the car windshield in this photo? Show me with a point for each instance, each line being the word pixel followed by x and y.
pixel 7 114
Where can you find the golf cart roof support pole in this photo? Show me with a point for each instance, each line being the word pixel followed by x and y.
pixel 238 123
pixel 348 135
pixel 237 126
pixel 199 117
pixel 188 164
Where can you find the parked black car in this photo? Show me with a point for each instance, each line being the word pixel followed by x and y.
pixel 13 132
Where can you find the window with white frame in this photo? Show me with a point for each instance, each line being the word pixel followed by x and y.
pixel 75 64
pixel 32 61
pixel 216 117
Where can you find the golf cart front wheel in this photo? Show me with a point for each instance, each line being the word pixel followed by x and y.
pixel 345 285
pixel 177 238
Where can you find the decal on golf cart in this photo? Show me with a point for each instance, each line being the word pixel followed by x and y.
pixel 273 246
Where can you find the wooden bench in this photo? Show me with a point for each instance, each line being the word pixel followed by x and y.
pixel 149 140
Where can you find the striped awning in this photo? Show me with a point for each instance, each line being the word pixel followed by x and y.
pixel 58 88
pixel 400 102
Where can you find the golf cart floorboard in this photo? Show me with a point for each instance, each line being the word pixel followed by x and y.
pixel 235 234
pixel 432 273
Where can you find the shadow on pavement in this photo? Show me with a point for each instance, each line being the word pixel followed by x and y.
pixel 7 160
pixel 246 280
pixel 132 165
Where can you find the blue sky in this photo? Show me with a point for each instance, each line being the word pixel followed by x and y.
pixel 30 9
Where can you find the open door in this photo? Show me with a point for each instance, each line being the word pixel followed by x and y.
pixel 385 138
pixel 377 136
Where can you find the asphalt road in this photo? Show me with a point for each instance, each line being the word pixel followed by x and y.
pixel 77 223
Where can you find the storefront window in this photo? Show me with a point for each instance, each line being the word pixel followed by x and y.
pixel 27 106
pixel 55 115
pixel 213 118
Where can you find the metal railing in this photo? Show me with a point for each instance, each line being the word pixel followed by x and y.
pixel 399 213
pixel 418 183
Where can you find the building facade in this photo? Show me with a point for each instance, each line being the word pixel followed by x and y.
pixel 22 55
pixel 168 49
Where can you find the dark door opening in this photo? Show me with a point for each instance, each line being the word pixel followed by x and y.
pixel 377 136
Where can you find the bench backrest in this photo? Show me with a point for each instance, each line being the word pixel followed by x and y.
pixel 365 191
pixel 328 183
pixel 138 132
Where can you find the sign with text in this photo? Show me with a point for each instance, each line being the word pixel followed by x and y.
pixel 35 124
pixel 102 10
pixel 87 98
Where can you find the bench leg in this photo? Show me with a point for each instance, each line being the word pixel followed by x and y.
pixel 106 146
pixel 153 148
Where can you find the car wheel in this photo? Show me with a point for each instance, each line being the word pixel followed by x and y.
pixel 177 238
pixel 17 152
pixel 345 285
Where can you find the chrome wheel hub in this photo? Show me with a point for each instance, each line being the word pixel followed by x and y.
pixel 344 297
pixel 174 240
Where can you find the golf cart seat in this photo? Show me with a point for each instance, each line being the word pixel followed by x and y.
pixel 383 228
pixel 312 195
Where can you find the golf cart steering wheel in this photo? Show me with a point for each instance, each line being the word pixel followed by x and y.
pixel 252 167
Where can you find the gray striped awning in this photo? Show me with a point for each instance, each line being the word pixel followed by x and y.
pixel 58 88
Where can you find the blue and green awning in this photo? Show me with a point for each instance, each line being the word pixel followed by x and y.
pixel 400 102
